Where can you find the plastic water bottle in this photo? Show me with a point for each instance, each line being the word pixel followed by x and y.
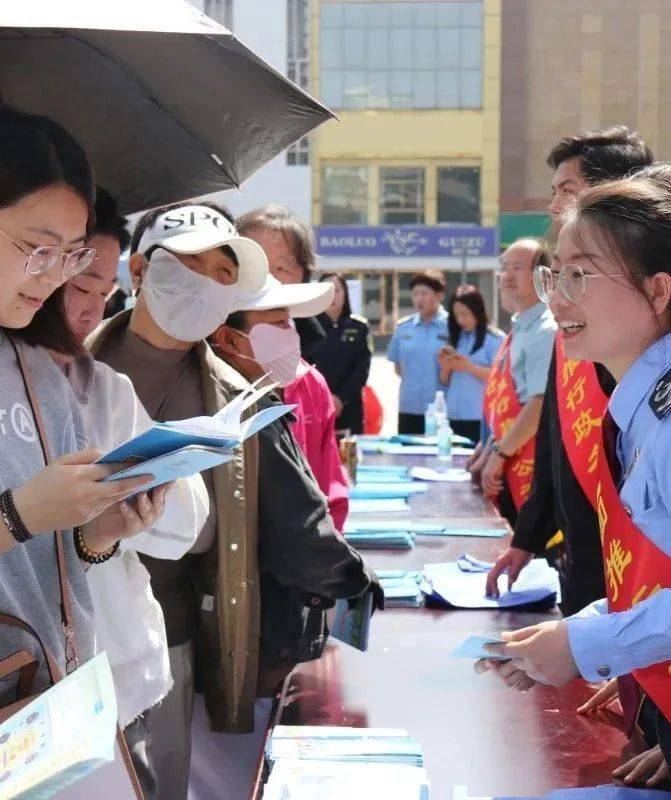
pixel 445 442
pixel 440 407
pixel 430 421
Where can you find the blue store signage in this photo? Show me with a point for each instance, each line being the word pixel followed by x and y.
pixel 447 241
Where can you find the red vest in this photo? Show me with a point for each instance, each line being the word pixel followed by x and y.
pixel 634 567
pixel 501 409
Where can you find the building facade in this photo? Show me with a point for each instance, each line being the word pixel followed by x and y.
pixel 416 87
pixel 570 66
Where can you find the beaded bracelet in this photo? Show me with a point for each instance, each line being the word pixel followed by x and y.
pixel 12 518
pixel 91 556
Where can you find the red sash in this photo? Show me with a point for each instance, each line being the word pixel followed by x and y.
pixel 501 409
pixel 634 567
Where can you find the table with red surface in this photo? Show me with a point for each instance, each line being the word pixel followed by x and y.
pixel 475 731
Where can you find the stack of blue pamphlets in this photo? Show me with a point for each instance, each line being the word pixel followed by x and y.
pixel 352 745
pixel 420 529
pixel 332 763
pixel 461 584
pixel 370 491
pixel 378 505
pixel 381 540
pixel 402 589
pixel 381 473
pixel 171 450
pixel 405 444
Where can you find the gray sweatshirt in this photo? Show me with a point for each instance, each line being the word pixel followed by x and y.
pixel 29 587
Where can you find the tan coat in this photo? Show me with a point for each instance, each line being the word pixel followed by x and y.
pixel 227 649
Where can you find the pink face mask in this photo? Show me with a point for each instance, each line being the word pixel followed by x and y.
pixel 277 350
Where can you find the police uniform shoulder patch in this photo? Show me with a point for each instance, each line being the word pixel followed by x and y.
pixel 358 318
pixel 660 399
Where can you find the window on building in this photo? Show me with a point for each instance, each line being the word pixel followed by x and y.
pixel 221 11
pixel 298 67
pixel 401 54
pixel 344 195
pixel 402 195
pixel 459 195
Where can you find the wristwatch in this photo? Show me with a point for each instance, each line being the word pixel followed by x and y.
pixel 496 448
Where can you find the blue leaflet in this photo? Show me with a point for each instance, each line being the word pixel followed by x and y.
pixel 352 625
pixel 368 491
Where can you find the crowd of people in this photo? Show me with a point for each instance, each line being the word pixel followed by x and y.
pixel 205 593
pixel 570 415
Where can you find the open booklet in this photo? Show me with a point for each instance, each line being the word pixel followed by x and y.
pixel 171 450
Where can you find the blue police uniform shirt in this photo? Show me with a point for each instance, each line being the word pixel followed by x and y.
pixel 414 347
pixel 465 393
pixel 531 350
pixel 607 645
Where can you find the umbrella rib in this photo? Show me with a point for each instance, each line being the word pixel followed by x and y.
pixel 158 104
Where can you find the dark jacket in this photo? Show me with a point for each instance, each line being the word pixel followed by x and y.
pixel 305 565
pixel 343 358
pixel 557 502
pixel 312 334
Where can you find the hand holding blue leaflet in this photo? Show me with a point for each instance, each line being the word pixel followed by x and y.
pixel 171 450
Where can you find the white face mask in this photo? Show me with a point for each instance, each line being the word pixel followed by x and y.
pixel 277 350
pixel 184 304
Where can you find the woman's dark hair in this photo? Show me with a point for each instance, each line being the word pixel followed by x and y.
pixel 347 307
pixel 433 278
pixel 470 297
pixel 630 220
pixel 36 153
pixel 297 234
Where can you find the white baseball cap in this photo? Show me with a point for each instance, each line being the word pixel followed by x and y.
pixel 189 230
pixel 301 299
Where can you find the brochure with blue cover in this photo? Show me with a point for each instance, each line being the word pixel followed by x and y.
pixel 171 450
pixel 352 625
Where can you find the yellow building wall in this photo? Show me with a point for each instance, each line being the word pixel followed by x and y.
pixel 429 138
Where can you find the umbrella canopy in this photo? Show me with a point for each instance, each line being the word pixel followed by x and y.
pixel 167 103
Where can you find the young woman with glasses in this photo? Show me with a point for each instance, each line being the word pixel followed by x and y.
pixel 46 200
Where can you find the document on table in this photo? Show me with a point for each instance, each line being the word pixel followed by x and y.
pixel 450 585
pixel 370 491
pixel 449 475
pixel 420 529
pixel 395 540
pixel 320 780
pixel 378 506
pixel 402 589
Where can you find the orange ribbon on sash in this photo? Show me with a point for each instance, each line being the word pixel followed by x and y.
pixel 501 409
pixel 635 568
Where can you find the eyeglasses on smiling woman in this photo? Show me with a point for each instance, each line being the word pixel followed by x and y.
pixel 41 259
pixel 571 279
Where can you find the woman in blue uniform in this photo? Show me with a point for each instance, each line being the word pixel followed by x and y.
pixel 343 358
pixel 610 291
pixel 466 362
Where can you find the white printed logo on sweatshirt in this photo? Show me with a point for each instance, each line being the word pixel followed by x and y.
pixel 21 420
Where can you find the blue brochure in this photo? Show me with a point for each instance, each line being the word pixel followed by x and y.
pixel 352 625
pixel 473 647
pixel 369 491
pixel 171 450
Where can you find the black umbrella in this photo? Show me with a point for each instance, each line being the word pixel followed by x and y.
pixel 167 103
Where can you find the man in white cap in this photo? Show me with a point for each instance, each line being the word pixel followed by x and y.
pixel 191 262
pixel 261 326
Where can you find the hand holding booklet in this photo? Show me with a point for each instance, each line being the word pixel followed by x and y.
pixel 171 450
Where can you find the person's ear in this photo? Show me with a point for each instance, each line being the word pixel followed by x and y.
pixel 138 265
pixel 224 341
pixel 659 292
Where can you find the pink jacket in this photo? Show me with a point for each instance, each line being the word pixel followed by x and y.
pixel 314 430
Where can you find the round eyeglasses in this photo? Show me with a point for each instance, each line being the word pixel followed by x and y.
pixel 43 258
pixel 571 279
